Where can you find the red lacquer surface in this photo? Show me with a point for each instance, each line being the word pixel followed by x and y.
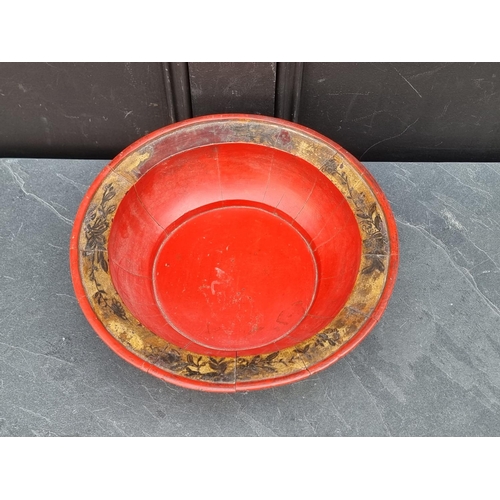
pixel 241 247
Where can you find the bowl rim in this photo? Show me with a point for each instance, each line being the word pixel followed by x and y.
pixel 135 360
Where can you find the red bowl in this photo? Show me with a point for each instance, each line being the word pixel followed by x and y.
pixel 233 252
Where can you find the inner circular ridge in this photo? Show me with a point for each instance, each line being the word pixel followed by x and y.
pixel 235 277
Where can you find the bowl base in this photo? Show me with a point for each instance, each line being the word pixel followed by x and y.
pixel 235 277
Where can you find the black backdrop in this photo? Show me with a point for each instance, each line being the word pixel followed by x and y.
pixel 377 111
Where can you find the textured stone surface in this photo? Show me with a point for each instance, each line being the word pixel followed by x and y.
pixel 430 367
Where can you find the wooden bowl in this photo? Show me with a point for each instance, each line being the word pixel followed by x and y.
pixel 233 252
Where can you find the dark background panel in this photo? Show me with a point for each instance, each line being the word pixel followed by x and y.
pixel 406 111
pixel 78 110
pixel 232 88
pixel 377 111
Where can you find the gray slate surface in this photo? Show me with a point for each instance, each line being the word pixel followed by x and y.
pixel 431 367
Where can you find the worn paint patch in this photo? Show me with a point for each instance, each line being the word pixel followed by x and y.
pixel 129 167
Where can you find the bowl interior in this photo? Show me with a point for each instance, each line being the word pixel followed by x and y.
pixel 234 248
